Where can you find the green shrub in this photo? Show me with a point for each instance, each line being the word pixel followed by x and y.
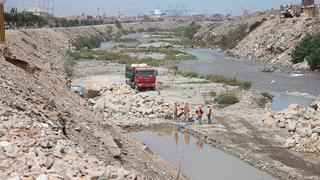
pixel 267 95
pixel 189 74
pixel 212 94
pixel 233 37
pixel 264 100
pixel 191 30
pixel 314 60
pixel 226 99
pixel 229 81
pixel 82 54
pixel 305 48
pixel 255 25
pixel 118 24
pixel 198 82
pixel 68 64
pixel 88 42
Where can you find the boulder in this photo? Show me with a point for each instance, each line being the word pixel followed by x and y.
pixel 316 130
pixel 294 107
pixel 291 126
pixel 290 143
pixel 309 113
pixel 314 137
pixel 288 114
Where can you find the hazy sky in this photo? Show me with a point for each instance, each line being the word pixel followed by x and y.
pixel 134 7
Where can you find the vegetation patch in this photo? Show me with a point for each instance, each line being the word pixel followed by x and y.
pixel 226 99
pixel 233 37
pixel 198 82
pixel 190 74
pixel 255 25
pixel 212 94
pixel 90 42
pixel 262 102
pixel 229 81
pixel 82 54
pixel 308 49
pixel 68 64
pixel 122 57
pixel 219 79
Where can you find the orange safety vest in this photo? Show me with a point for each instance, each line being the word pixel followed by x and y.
pixel 210 112
pixel 199 112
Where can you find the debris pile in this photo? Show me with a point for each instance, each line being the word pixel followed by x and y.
pixel 303 125
pixel 121 99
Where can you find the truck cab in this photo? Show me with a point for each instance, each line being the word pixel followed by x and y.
pixel 141 76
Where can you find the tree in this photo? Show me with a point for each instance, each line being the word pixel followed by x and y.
pixel 308 49
pixel 314 60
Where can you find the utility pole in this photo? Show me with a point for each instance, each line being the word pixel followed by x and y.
pixel 2 26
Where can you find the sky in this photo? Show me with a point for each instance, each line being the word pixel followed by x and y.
pixel 142 7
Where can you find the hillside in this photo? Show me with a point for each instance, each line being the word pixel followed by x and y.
pixel 47 132
pixel 272 41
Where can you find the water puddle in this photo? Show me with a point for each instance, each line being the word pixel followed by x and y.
pixel 198 160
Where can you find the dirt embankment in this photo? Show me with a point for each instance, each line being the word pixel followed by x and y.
pixel 48 132
pixel 272 41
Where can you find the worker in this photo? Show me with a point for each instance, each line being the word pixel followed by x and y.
pixel 209 114
pixel 199 113
pixel 175 111
pixel 158 88
pixel 186 110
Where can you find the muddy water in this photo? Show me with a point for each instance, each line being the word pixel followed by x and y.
pixel 213 62
pixel 198 160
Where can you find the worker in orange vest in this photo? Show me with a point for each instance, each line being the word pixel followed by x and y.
pixel 199 113
pixel 209 114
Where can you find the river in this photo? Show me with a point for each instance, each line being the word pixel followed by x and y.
pixel 304 84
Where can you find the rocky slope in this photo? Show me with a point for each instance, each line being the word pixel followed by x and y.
pixel 275 39
pixel 46 132
pixel 272 41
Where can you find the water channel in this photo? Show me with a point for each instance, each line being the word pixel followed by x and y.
pixel 198 161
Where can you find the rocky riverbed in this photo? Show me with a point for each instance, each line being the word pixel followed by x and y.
pixel 237 129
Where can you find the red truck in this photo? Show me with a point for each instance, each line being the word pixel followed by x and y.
pixel 141 76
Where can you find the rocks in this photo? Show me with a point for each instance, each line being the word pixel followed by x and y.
pixel 303 123
pixel 294 107
pixel 289 143
pixel 291 126
pixel 124 100
pixel 316 130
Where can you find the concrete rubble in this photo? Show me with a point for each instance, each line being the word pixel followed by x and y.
pixel 302 125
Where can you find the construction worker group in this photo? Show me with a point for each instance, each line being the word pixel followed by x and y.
pixel 185 110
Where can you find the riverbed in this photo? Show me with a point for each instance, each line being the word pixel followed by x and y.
pixel 303 84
